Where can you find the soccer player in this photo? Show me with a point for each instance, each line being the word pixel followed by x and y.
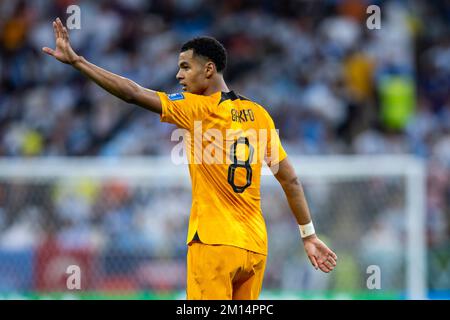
pixel 227 238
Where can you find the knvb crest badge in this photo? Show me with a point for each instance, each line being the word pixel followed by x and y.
pixel 175 96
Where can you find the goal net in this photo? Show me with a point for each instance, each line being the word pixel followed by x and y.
pixel 96 228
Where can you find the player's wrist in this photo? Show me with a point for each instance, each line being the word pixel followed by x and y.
pixel 307 230
pixel 76 61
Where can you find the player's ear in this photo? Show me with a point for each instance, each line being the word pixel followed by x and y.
pixel 210 69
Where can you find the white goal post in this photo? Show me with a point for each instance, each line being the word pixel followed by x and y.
pixel 149 171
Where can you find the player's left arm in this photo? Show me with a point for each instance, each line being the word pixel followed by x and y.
pixel 318 253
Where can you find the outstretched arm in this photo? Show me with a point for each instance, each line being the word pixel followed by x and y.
pixel 318 253
pixel 121 87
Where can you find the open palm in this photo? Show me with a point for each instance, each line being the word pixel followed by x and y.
pixel 319 254
pixel 63 51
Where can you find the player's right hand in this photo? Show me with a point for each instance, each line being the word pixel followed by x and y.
pixel 63 51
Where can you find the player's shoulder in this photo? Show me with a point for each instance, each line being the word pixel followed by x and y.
pixel 233 96
pixel 257 108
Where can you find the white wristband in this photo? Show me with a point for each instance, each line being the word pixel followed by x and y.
pixel 306 229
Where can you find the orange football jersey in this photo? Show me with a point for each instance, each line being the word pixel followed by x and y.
pixel 227 138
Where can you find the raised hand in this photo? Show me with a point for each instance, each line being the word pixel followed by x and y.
pixel 63 51
pixel 319 254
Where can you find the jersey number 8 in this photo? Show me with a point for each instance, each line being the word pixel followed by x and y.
pixel 240 164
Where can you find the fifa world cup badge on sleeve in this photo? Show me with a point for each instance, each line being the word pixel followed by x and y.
pixel 175 96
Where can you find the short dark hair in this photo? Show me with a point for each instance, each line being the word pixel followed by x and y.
pixel 210 48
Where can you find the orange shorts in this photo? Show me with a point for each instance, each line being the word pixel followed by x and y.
pixel 221 272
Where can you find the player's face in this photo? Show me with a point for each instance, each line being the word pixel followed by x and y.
pixel 192 72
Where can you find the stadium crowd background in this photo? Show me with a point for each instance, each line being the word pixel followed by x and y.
pixel 332 86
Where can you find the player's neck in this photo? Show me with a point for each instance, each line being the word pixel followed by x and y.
pixel 218 85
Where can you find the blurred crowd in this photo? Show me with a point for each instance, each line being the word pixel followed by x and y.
pixel 332 85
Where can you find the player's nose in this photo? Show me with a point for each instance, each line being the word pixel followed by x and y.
pixel 179 75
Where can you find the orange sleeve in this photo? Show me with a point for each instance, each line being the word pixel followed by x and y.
pixel 182 109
